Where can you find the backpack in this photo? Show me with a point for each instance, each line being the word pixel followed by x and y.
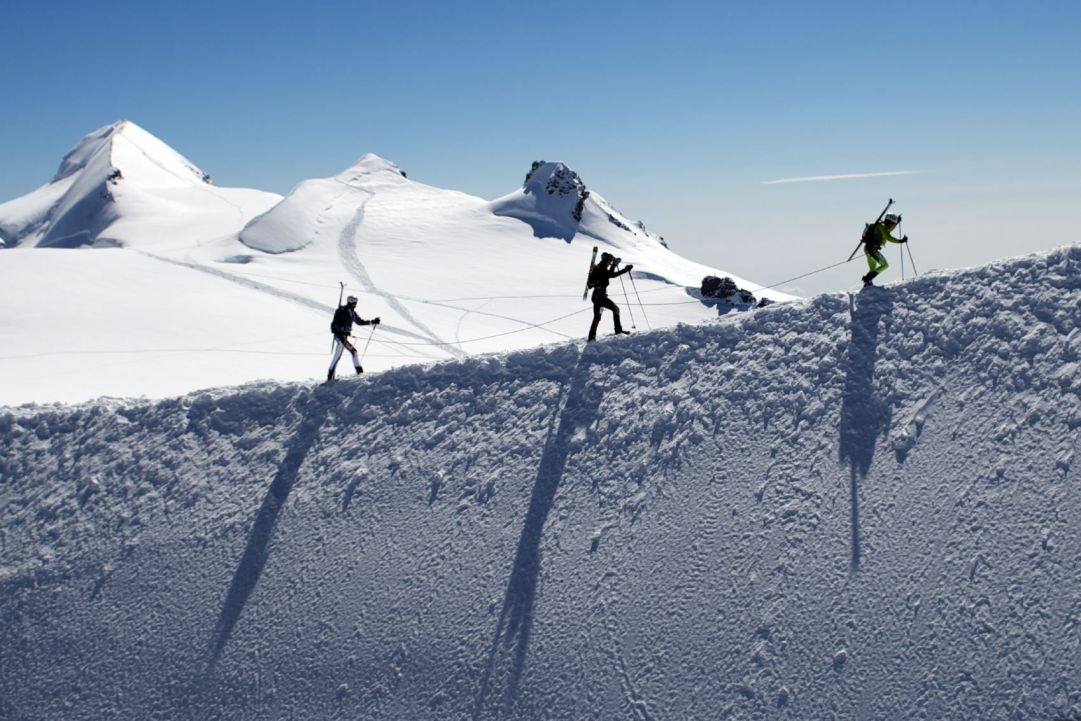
pixel 591 281
pixel 870 236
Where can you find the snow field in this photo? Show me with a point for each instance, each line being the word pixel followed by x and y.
pixel 450 275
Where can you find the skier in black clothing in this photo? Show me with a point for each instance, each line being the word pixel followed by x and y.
pixel 341 327
pixel 598 281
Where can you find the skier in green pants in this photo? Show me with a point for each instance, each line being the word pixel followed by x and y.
pixel 877 236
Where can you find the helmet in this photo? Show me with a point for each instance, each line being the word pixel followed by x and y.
pixel 606 256
pixel 892 218
pixel 351 300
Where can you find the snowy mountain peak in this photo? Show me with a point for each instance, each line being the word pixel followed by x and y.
pixel 124 146
pixel 552 200
pixel 115 179
pixel 374 163
pixel 297 221
pixel 371 167
pixel 88 148
pixel 561 183
pixel 554 179
pixel 557 204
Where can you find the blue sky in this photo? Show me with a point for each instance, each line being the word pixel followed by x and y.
pixel 677 113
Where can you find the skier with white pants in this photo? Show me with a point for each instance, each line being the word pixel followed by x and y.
pixel 342 327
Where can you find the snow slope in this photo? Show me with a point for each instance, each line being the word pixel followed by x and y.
pixel 848 507
pixel 241 287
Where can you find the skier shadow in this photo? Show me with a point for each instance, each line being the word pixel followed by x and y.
pixel 580 402
pixel 864 415
pixel 262 531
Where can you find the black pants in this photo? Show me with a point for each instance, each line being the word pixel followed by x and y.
pixel 600 302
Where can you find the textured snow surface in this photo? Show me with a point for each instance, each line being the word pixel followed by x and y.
pixel 849 507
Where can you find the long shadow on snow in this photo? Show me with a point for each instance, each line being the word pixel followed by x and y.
pixel 579 407
pixel 262 530
pixel 864 415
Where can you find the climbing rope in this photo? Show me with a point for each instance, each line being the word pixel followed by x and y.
pixel 418 344
pixel 805 275
pixel 494 335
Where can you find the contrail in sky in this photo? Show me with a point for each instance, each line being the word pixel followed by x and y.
pixel 849 176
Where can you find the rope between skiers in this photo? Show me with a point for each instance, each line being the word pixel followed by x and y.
pixel 379 341
pixel 438 301
pixel 494 335
pixel 805 275
pixel 875 235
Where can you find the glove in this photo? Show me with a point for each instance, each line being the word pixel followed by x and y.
pixel 904 239
pixel 630 268
pixel 375 321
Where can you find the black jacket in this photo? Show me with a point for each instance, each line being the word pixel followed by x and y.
pixel 344 318
pixel 600 277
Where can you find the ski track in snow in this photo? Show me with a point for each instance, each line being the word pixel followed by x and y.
pixel 653 527
pixel 347 248
pixel 461 319
pixel 323 309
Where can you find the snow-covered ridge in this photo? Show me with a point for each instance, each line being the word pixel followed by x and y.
pixel 848 507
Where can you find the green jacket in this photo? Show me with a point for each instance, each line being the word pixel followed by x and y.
pixel 879 236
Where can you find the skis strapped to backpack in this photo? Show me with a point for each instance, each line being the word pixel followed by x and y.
pixel 589 278
pixel 867 229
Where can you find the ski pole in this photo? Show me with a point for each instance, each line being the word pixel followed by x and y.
pixel 913 260
pixel 627 302
pixel 639 297
pixel 363 352
pixel 902 253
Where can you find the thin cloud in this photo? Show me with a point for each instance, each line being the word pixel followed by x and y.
pixel 847 176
